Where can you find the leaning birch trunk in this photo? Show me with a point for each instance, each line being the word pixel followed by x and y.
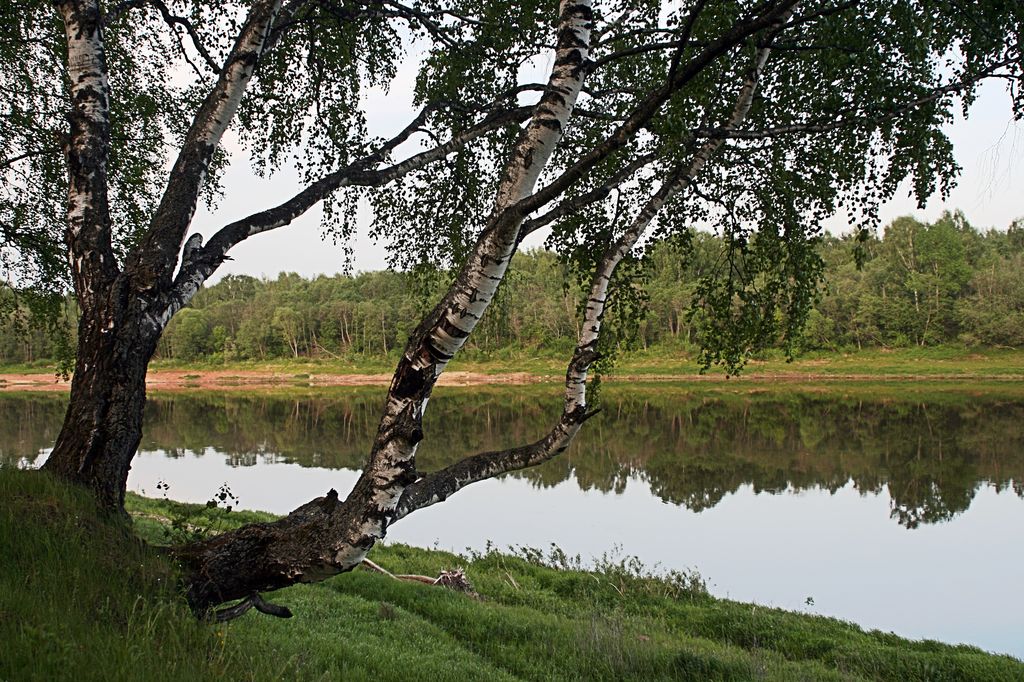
pixel 440 485
pixel 327 536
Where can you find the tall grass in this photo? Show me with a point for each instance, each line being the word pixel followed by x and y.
pixel 81 597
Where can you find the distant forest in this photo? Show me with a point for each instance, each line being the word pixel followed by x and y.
pixel 920 284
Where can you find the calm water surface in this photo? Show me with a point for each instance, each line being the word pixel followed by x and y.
pixel 900 511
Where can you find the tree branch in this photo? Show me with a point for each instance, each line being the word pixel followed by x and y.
pixel 6 163
pixel 772 19
pixel 596 64
pixel 438 31
pixel 854 119
pixel 570 206
pixel 821 13
pixel 203 262
pixel 171 20
pixel 252 601
pixel 440 485
pixel 153 261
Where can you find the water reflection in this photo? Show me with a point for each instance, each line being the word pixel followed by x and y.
pixel 930 454
pixel 774 497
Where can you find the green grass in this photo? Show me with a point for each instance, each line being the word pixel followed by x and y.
pixel 940 362
pixel 937 361
pixel 82 598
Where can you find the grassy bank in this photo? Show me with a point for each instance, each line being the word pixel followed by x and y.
pixel 940 361
pixel 929 361
pixel 82 598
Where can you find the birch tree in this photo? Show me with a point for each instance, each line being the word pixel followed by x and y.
pixel 758 119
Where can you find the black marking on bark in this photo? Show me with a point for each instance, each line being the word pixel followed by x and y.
pixel 572 57
pixel 437 353
pixel 586 12
pixel 408 382
pixel 465 312
pixel 553 96
pixel 528 158
pixel 455 332
pixel 366 544
pixel 568 39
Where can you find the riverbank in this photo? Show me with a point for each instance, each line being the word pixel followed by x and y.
pixel 81 598
pixel 875 365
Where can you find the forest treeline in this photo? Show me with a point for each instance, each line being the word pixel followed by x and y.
pixel 919 284
pixel 931 457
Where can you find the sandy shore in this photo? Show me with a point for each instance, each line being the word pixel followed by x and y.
pixel 171 380
pixel 228 380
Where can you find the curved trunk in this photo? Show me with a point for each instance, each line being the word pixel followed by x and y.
pixel 327 536
pixel 103 423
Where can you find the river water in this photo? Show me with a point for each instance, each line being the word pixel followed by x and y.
pixel 898 508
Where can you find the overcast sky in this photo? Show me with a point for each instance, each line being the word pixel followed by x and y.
pixel 989 146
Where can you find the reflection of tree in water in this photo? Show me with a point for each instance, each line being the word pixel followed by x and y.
pixel 930 455
pixel 29 424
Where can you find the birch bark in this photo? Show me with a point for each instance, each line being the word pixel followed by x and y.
pixel 327 536
pixel 440 485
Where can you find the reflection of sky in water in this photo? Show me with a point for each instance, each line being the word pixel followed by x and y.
pixel 958 581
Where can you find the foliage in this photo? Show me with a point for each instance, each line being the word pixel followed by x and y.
pixel 918 285
pixel 841 117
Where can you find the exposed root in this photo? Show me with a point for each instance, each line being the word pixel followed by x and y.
pixel 454 580
pixel 252 601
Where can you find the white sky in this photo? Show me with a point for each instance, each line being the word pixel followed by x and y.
pixel 989 147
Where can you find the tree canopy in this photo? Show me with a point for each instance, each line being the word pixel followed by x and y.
pixel 840 117
pixel 638 121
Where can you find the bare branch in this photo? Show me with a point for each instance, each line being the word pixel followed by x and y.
pixel 233 611
pixel 440 485
pixel 171 20
pixel 632 52
pixel 857 118
pixel 203 262
pixel 6 163
pixel 252 601
pixel 155 258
